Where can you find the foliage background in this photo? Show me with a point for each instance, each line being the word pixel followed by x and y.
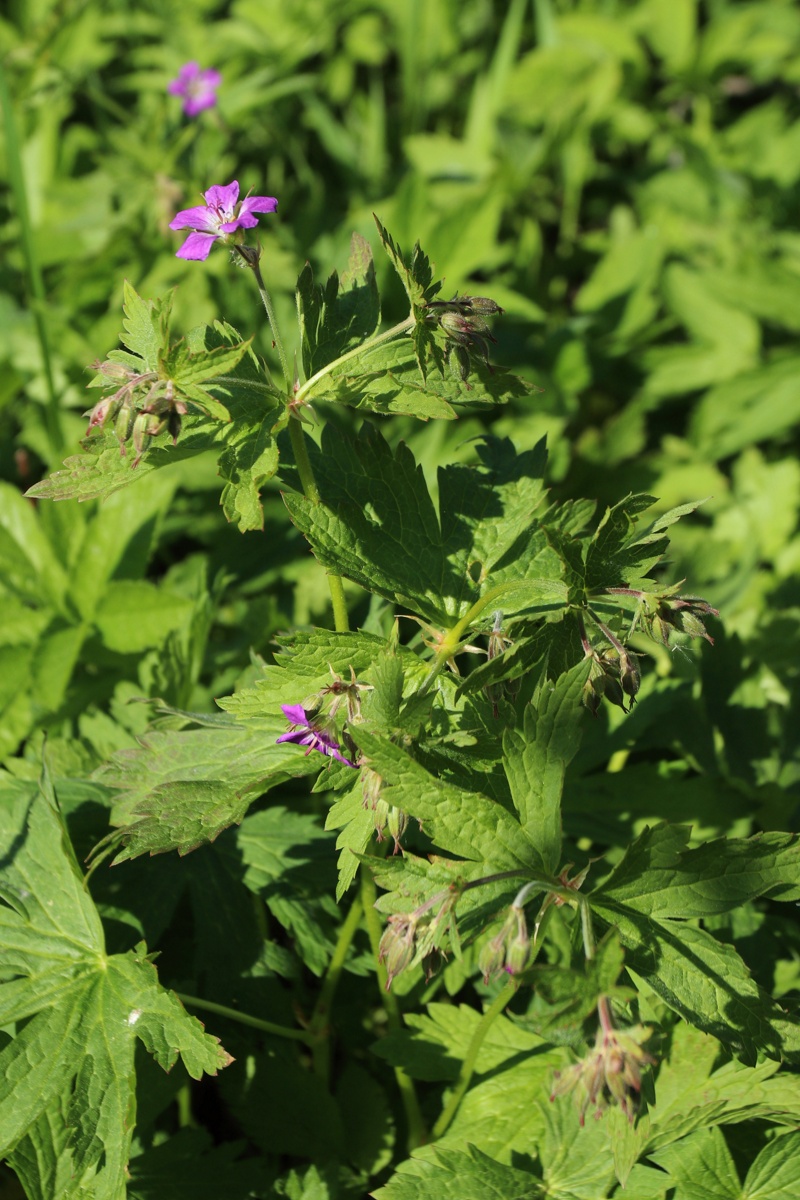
pixel 623 177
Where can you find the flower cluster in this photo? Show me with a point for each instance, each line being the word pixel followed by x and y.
pixel 220 219
pixel 610 1074
pixel 197 87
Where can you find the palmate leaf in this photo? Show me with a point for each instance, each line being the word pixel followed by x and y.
pixel 341 314
pixel 183 787
pixel 73 1059
pixel 376 510
pixel 386 379
pixel 460 1175
pixel 659 881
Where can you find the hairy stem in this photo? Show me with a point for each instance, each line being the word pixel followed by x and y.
pixel 222 1010
pixel 251 259
pixel 468 1065
pixel 417 1134
pixel 364 348
pixel 318 1026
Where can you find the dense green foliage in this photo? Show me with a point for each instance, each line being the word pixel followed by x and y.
pixel 622 177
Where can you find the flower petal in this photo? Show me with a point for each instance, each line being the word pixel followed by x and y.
pixel 199 101
pixel 259 204
pixel 197 246
pixel 194 218
pixel 223 196
pixel 295 713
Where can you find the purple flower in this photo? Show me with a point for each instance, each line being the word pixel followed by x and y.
pixel 220 216
pixel 198 88
pixel 304 733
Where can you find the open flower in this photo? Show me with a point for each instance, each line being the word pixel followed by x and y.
pixel 197 87
pixel 303 733
pixel 218 218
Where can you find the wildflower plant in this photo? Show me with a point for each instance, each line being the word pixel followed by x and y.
pixel 501 628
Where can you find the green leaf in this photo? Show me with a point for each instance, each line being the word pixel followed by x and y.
pixel 564 998
pixel 775 1173
pixel 460 1175
pixel 616 555
pixel 535 760
pixel 339 316
pixel 385 378
pixel 701 1167
pixel 703 980
pixel 145 326
pixel 416 277
pixel 253 412
pixel 75 1055
pixel 182 788
pixel 432 1045
pixel 378 526
pixel 460 822
pixel 188 1166
pixel 661 877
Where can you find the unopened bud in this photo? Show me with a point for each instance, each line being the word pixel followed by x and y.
pixel 396 947
pixel 397 822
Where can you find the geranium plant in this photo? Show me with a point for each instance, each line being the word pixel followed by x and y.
pixel 443 743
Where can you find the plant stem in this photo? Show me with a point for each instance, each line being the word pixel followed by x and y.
pixel 297 1035
pixel 318 1026
pixel 417 1134
pixel 251 259
pixel 341 621
pixel 364 348
pixel 16 177
pixel 468 1065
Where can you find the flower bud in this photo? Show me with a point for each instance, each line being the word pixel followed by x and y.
pixel 398 823
pixel 396 947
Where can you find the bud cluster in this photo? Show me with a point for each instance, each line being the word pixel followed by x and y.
pixel 611 1074
pixel 463 322
pixel 683 614
pixel 418 934
pixel 614 675
pixel 142 406
pixel 510 949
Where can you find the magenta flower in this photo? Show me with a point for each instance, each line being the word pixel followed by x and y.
pixel 303 733
pixel 219 217
pixel 198 88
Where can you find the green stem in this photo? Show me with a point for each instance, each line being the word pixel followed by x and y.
pixel 250 257
pixel 452 641
pixel 468 1065
pixel 417 1135
pixel 341 621
pixel 484 1025
pixel 16 177
pixel 318 1026
pixel 222 1010
pixel 364 348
